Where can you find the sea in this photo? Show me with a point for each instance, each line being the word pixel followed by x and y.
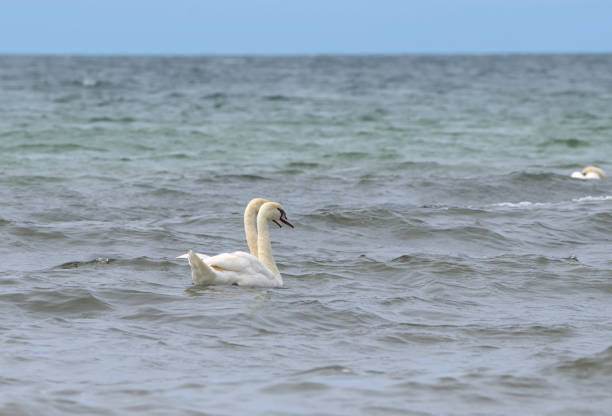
pixel 443 262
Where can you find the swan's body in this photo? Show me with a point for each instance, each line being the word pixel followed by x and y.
pixel 590 172
pixel 243 269
pixel 238 268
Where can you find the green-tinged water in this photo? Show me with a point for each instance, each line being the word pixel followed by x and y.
pixel 443 262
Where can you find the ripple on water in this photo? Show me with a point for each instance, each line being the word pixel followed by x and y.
pixel 591 367
pixel 68 301
pixel 141 263
pixel 554 333
pixel 302 387
pixel 328 370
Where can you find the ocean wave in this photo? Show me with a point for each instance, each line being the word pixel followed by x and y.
pixel 329 370
pixel 301 387
pixel 67 98
pixel 589 366
pixel 532 177
pixel 165 191
pixel 304 165
pixel 53 147
pixel 317 314
pixel 529 204
pixel 522 204
pixel 570 142
pixel 347 155
pixel 354 217
pixel 237 177
pixel 64 301
pixel 121 120
pixel 593 198
pixel 414 337
pixel 142 263
pixel 170 155
pixel 514 331
pixel 277 98
pixel 150 313
pixel 215 96
pixel 38 233
pixel 530 260
pixel 77 264
pixel 31 179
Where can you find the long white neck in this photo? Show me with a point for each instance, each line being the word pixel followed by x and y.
pixel 265 248
pixel 250 218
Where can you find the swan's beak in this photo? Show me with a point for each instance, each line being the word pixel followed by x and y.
pixel 283 218
pixel 286 221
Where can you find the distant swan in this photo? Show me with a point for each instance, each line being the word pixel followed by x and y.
pixel 240 268
pixel 590 172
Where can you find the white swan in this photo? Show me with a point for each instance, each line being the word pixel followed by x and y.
pixel 590 172
pixel 240 268
pixel 250 220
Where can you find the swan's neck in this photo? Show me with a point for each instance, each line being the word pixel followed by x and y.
pixel 250 218
pixel 265 249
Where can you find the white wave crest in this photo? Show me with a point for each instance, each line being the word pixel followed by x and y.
pixel 593 198
pixel 528 204
pixel 522 204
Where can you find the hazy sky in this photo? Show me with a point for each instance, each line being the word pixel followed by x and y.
pixel 304 27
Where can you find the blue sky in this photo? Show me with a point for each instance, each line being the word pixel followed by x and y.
pixel 304 27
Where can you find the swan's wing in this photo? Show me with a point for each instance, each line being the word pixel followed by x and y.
pixel 241 268
pixel 237 261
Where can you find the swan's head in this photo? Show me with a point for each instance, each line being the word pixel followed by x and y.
pixel 274 212
pixel 593 172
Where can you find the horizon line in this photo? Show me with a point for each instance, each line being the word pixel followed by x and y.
pixel 298 54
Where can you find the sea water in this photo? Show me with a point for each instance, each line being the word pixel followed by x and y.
pixel 442 261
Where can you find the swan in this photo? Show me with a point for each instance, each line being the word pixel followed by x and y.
pixel 250 220
pixel 240 268
pixel 590 172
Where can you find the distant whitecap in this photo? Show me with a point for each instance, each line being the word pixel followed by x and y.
pixel 89 82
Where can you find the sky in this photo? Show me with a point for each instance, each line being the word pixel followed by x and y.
pixel 228 27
